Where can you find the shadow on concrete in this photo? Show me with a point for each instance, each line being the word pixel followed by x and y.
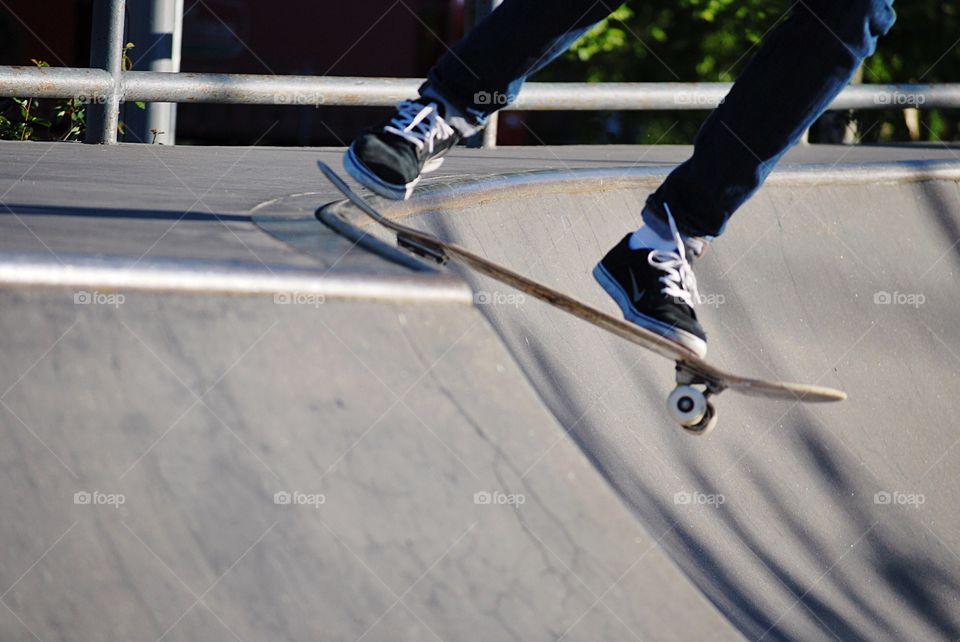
pixel 797 553
pixel 11 209
pixel 938 204
pixel 902 572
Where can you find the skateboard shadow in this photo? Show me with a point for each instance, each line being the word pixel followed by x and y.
pixel 802 549
pixel 902 571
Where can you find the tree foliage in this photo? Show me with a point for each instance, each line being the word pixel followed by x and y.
pixel 711 41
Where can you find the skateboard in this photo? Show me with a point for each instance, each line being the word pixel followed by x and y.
pixel 689 404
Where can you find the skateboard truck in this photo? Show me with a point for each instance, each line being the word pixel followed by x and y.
pixel 421 248
pixel 690 406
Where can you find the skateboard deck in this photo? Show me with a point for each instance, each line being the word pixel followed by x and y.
pixel 687 404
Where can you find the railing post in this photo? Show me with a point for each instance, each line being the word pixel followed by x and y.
pixel 156 28
pixel 106 52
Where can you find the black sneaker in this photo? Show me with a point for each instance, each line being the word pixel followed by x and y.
pixel 655 290
pixel 390 158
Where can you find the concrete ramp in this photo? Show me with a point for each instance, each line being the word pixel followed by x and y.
pixel 796 521
pixel 219 420
pixel 303 467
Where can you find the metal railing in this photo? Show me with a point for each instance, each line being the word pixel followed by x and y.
pixel 105 87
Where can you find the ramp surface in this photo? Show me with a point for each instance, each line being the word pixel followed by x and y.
pixel 797 521
pixel 308 441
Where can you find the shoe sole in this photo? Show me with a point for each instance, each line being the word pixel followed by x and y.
pixel 356 169
pixel 683 338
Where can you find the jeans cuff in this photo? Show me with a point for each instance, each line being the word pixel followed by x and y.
pixel 467 122
pixel 656 218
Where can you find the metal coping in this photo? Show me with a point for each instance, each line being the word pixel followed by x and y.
pixel 465 192
pixel 116 274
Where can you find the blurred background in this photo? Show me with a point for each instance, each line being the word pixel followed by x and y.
pixel 649 41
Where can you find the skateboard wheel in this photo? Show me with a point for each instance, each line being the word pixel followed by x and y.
pixel 706 424
pixel 687 405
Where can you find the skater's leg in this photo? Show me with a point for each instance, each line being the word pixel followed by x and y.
pixel 485 71
pixel 479 76
pixel 798 71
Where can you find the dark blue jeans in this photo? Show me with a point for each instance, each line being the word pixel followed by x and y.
pixel 798 70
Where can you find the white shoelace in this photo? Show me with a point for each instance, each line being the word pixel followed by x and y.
pixel 678 280
pixel 418 124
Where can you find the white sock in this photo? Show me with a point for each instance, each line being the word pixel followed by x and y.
pixel 454 117
pixel 646 238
